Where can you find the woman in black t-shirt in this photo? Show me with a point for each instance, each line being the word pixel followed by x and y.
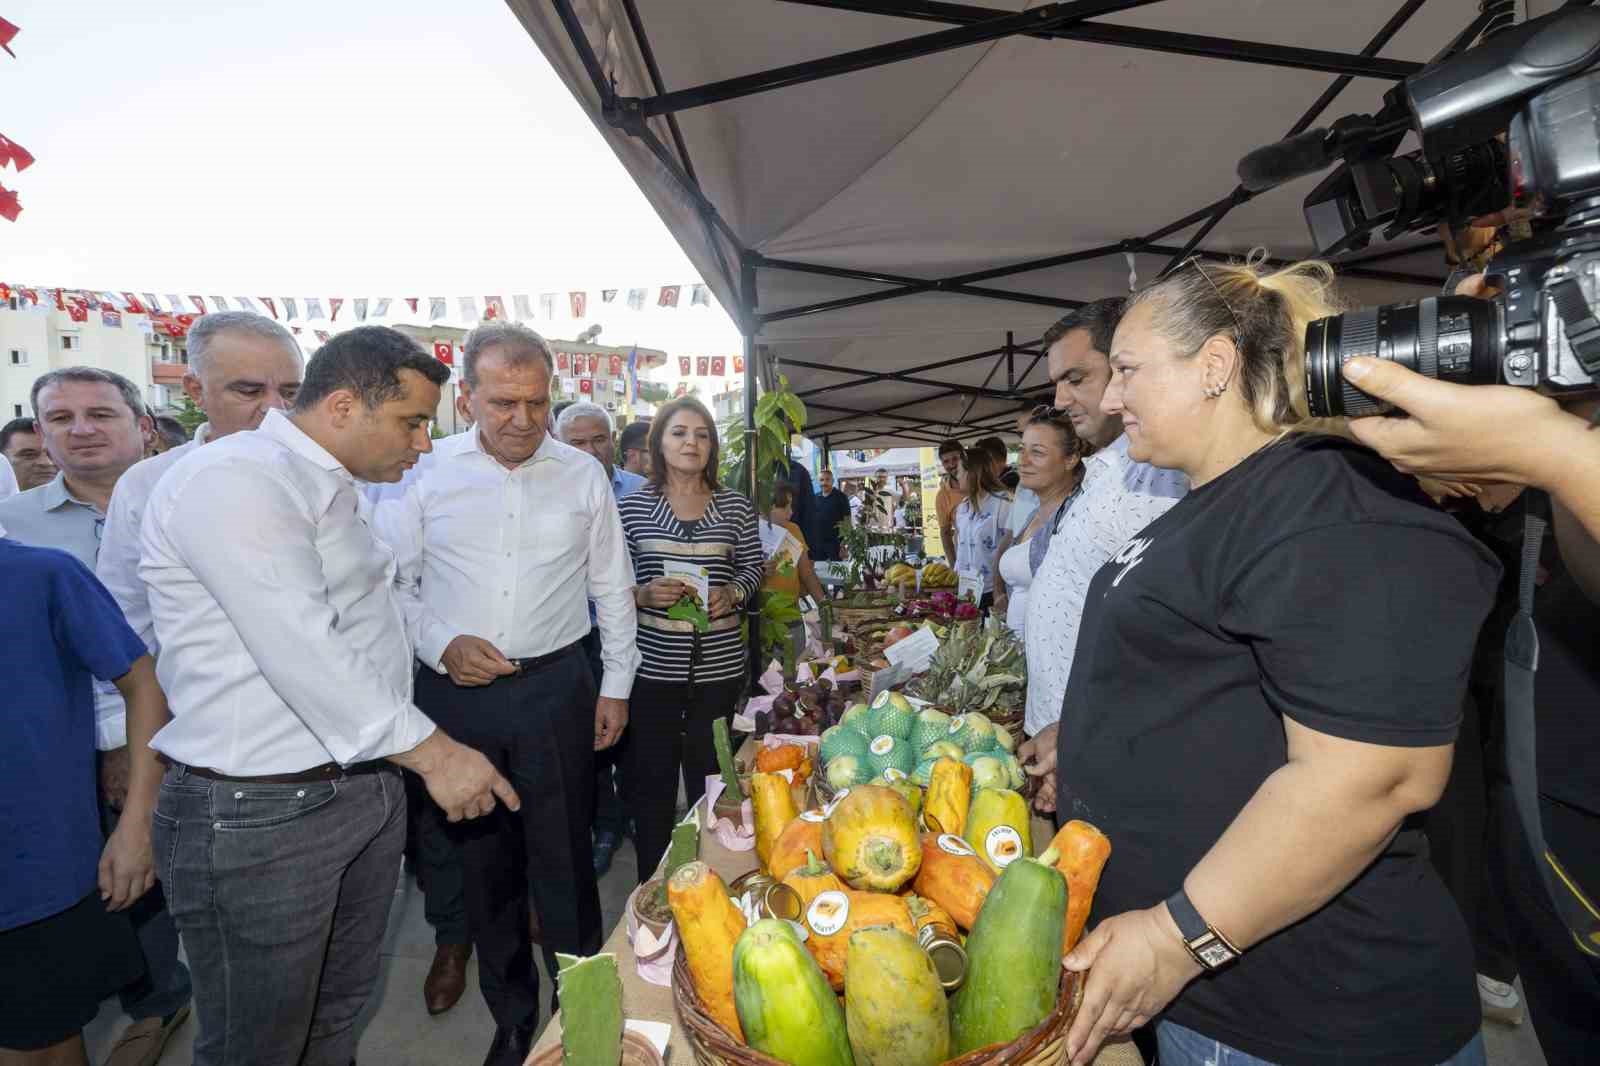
pixel 1266 692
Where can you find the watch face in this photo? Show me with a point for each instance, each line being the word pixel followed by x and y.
pixel 1213 953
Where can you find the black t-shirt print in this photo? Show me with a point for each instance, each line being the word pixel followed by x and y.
pixel 1311 581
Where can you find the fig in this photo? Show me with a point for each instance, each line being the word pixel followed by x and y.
pixel 763 723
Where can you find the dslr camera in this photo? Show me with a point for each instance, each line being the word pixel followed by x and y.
pixel 1514 121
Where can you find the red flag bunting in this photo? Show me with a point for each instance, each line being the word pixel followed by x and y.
pixel 579 302
pixel 10 206
pixel 133 303
pixel 683 366
pixel 616 366
pixel 199 303
pixel 334 303
pixel 271 304
pixel 702 366
pixel 13 153
pixel 412 301
pixel 738 364
pixel 586 386
pixel 445 352
pixel 563 361
pixel 719 366
pixel 669 296
pixel 8 32
pixel 78 312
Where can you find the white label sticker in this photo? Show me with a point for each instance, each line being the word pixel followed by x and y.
pixel 881 745
pixel 828 912
pixel 812 816
pixel 954 845
pixel 1003 845
pixel 882 698
pixel 956 724
pixel 837 797
pixel 891 775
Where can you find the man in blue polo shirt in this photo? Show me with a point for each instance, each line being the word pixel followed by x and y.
pixel 63 947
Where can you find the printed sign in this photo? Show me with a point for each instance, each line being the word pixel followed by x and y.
pixel 698 577
pixel 914 652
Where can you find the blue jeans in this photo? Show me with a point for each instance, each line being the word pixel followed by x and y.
pixel 1185 1047
pixel 282 895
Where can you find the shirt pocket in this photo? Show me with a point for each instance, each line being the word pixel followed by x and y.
pixel 555 528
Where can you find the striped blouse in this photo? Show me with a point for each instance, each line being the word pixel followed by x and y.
pixel 724 541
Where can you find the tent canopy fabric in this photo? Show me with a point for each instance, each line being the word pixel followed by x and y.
pixel 965 161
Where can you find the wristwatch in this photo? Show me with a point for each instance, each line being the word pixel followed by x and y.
pixel 1210 948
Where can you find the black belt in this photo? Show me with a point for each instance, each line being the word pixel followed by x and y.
pixel 539 662
pixel 328 771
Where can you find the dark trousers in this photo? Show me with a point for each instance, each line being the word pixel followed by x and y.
pixel 282 894
pixel 609 814
pixel 1561 982
pixel 165 986
pixel 669 727
pixel 1457 829
pixel 432 853
pixel 537 728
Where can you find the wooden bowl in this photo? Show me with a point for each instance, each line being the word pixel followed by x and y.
pixel 636 1051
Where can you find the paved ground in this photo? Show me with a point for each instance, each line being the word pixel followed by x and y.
pixel 399 1031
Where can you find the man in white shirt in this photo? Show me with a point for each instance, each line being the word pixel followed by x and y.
pixel 1117 499
pixel 587 427
pixel 503 535
pixel 286 659
pixel 28 464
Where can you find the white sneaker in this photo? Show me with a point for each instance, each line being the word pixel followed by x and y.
pixel 1501 1003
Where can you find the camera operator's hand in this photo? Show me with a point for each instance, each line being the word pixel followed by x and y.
pixel 1481 433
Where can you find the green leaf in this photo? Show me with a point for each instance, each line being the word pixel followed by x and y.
pixel 687 610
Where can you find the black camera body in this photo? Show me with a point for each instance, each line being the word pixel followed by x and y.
pixel 1538 86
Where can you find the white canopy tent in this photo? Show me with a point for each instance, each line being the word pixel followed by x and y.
pixel 898 236
pixel 895 462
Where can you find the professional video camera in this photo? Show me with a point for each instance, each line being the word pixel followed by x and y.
pixel 1514 121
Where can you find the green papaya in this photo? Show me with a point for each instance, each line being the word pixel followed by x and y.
pixel 895 1007
pixel 785 1005
pixel 1013 957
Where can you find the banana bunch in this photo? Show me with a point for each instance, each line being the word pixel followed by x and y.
pixel 897 573
pixel 938 576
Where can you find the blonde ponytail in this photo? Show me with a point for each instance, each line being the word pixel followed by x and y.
pixel 1264 312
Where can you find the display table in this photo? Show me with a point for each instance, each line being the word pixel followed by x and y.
pixel 647 1002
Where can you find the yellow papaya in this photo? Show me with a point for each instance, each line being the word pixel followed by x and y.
pixel 998 827
pixel 894 1006
pixel 774 810
pixel 944 808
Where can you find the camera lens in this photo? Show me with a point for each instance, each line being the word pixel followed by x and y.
pixel 1452 338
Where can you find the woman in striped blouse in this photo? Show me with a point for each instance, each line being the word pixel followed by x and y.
pixel 687 678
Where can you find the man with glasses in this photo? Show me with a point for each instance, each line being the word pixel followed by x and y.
pixel 95 428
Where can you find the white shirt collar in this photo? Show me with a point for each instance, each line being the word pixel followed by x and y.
pixel 281 428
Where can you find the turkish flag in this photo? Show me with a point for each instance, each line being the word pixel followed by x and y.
pixel 134 305
pixel 683 366
pixel 719 366
pixel 563 362
pixel 445 352
pixel 78 312
pixel 334 303
pixel 579 302
pixel 586 386
pixel 669 296
pixel 738 364
pixel 616 366
pixel 13 153
pixel 8 32
pixel 702 366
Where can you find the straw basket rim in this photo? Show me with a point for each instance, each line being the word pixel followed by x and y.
pixel 713 1045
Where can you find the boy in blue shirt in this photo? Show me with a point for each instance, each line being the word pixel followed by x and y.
pixel 63 946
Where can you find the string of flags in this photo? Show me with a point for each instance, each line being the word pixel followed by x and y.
pixel 173 309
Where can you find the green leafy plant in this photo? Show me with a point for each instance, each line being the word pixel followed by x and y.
pixel 779 611
pixel 778 414
pixel 188 414
pixel 688 609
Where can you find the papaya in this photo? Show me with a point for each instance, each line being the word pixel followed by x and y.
pixel 774 809
pixel 870 839
pixel 799 837
pixel 709 924
pixel 782 757
pixel 944 808
pixel 998 827
pixel 894 1007
pixel 1084 851
pixel 811 880
pixel 785 1005
pixel 1013 957
pixel 832 916
pixel 953 876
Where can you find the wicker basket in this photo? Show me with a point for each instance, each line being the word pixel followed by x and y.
pixel 1044 1045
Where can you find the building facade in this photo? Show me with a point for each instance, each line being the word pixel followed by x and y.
pixel 38 338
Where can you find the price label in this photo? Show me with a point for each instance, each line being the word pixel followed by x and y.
pixel 970 584
pixel 914 652
pixel 885 679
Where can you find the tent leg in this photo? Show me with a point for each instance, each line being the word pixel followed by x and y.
pixel 749 327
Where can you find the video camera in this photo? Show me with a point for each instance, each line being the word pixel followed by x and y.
pixel 1514 121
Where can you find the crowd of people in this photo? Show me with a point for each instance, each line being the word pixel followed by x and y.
pixel 263 664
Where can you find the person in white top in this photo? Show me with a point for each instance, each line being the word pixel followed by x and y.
pixel 286 659
pixel 1050 465
pixel 981 520
pixel 503 535
pixel 1118 497
pixel 8 481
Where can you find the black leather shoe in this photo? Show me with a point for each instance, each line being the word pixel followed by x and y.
pixel 510 1047
pixel 605 846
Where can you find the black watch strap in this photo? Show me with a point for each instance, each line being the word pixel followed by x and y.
pixel 1210 948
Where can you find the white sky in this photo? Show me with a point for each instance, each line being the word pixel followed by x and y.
pixel 337 148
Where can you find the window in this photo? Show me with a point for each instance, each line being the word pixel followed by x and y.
pixel 71 342
pixel 19 357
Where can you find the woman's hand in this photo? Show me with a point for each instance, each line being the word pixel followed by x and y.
pixel 1137 964
pixel 1037 755
pixel 663 592
pixel 724 601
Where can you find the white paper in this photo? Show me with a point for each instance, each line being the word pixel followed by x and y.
pixel 970 583
pixel 885 679
pixel 658 1033
pixel 698 577
pixel 914 652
